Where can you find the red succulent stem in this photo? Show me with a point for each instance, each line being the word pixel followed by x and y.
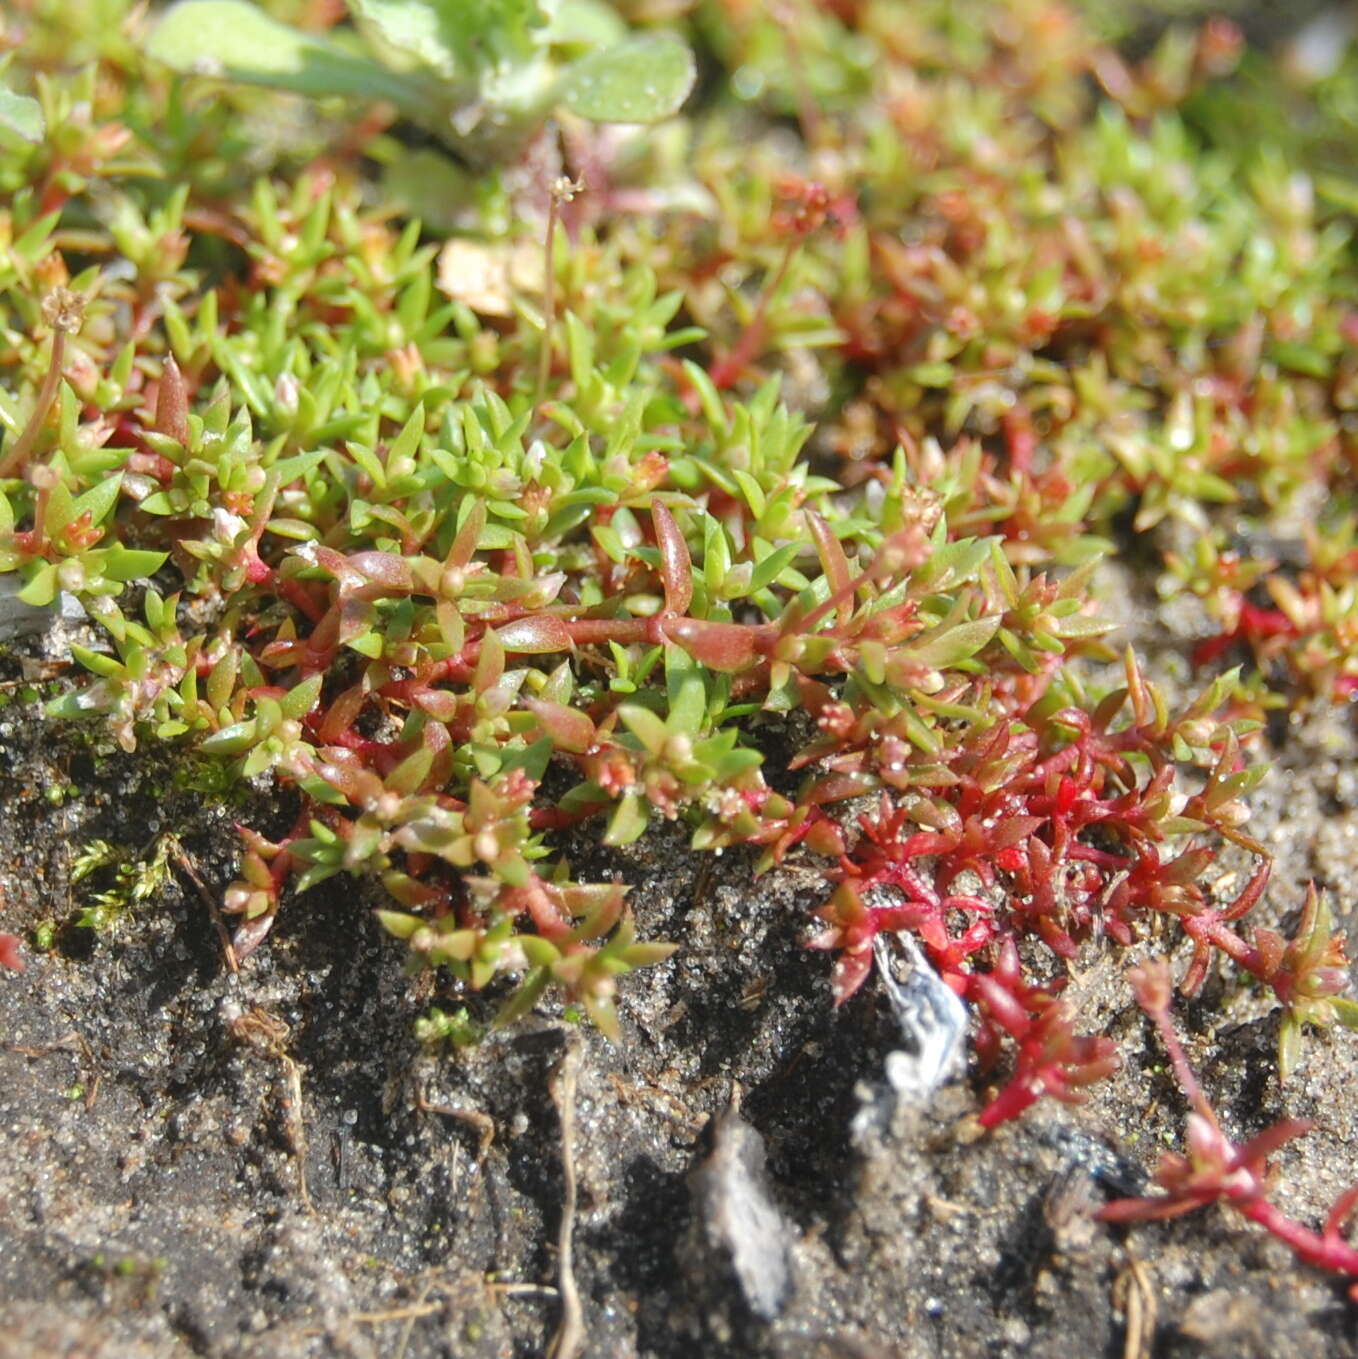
pixel 1210 928
pixel 587 631
pixel 1329 1250
pixel 300 598
pixel 727 370
pixel 1153 991
pixel 12 464
pixel 1009 1103
pixel 557 818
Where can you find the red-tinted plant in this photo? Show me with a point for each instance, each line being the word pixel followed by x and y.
pixel 1307 973
pixel 1052 1059
pixel 804 207
pixel 1216 1169
pixel 1061 817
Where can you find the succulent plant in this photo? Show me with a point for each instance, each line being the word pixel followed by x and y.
pixel 481 77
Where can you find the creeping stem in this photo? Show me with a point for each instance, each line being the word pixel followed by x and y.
pixel 12 464
pixel 64 311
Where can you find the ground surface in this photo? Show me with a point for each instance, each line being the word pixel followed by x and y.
pixel 164 1192
pixel 151 1178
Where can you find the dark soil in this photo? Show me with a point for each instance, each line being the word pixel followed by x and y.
pixel 153 1156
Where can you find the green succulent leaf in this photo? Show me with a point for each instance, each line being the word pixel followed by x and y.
pixel 41 588
pixel 645 726
pixel 302 698
pixel 232 740
pixel 96 662
pixel 641 80
pixel 22 116
pixel 627 822
pixel 585 23
pixel 130 563
pixel 523 1000
pixel 100 498
pixel 958 643
pixel 540 952
pixel 235 40
pixel 399 923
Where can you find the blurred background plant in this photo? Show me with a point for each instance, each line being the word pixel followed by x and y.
pixel 481 78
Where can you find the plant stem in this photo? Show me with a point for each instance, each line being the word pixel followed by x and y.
pixel 548 303
pixel 563 190
pixel 12 464
pixel 808 115
pixel 1329 1252
pixel 64 312
pixel 1188 1082
pixel 726 371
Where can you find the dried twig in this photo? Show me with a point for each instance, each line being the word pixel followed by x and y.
pixel 267 1033
pixel 1134 1297
pixel 481 1122
pixel 511 1289
pixel 64 311
pixel 413 1314
pixel 186 865
pixel 296 1124
pixel 570 1334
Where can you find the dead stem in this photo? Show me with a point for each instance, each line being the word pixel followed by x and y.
pixel 266 1033
pixel 413 1314
pixel 190 871
pixel 727 370
pixel 570 1335
pixel 808 114
pixel 296 1121
pixel 511 1289
pixel 1134 1296
pixel 481 1123
pixel 413 1310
